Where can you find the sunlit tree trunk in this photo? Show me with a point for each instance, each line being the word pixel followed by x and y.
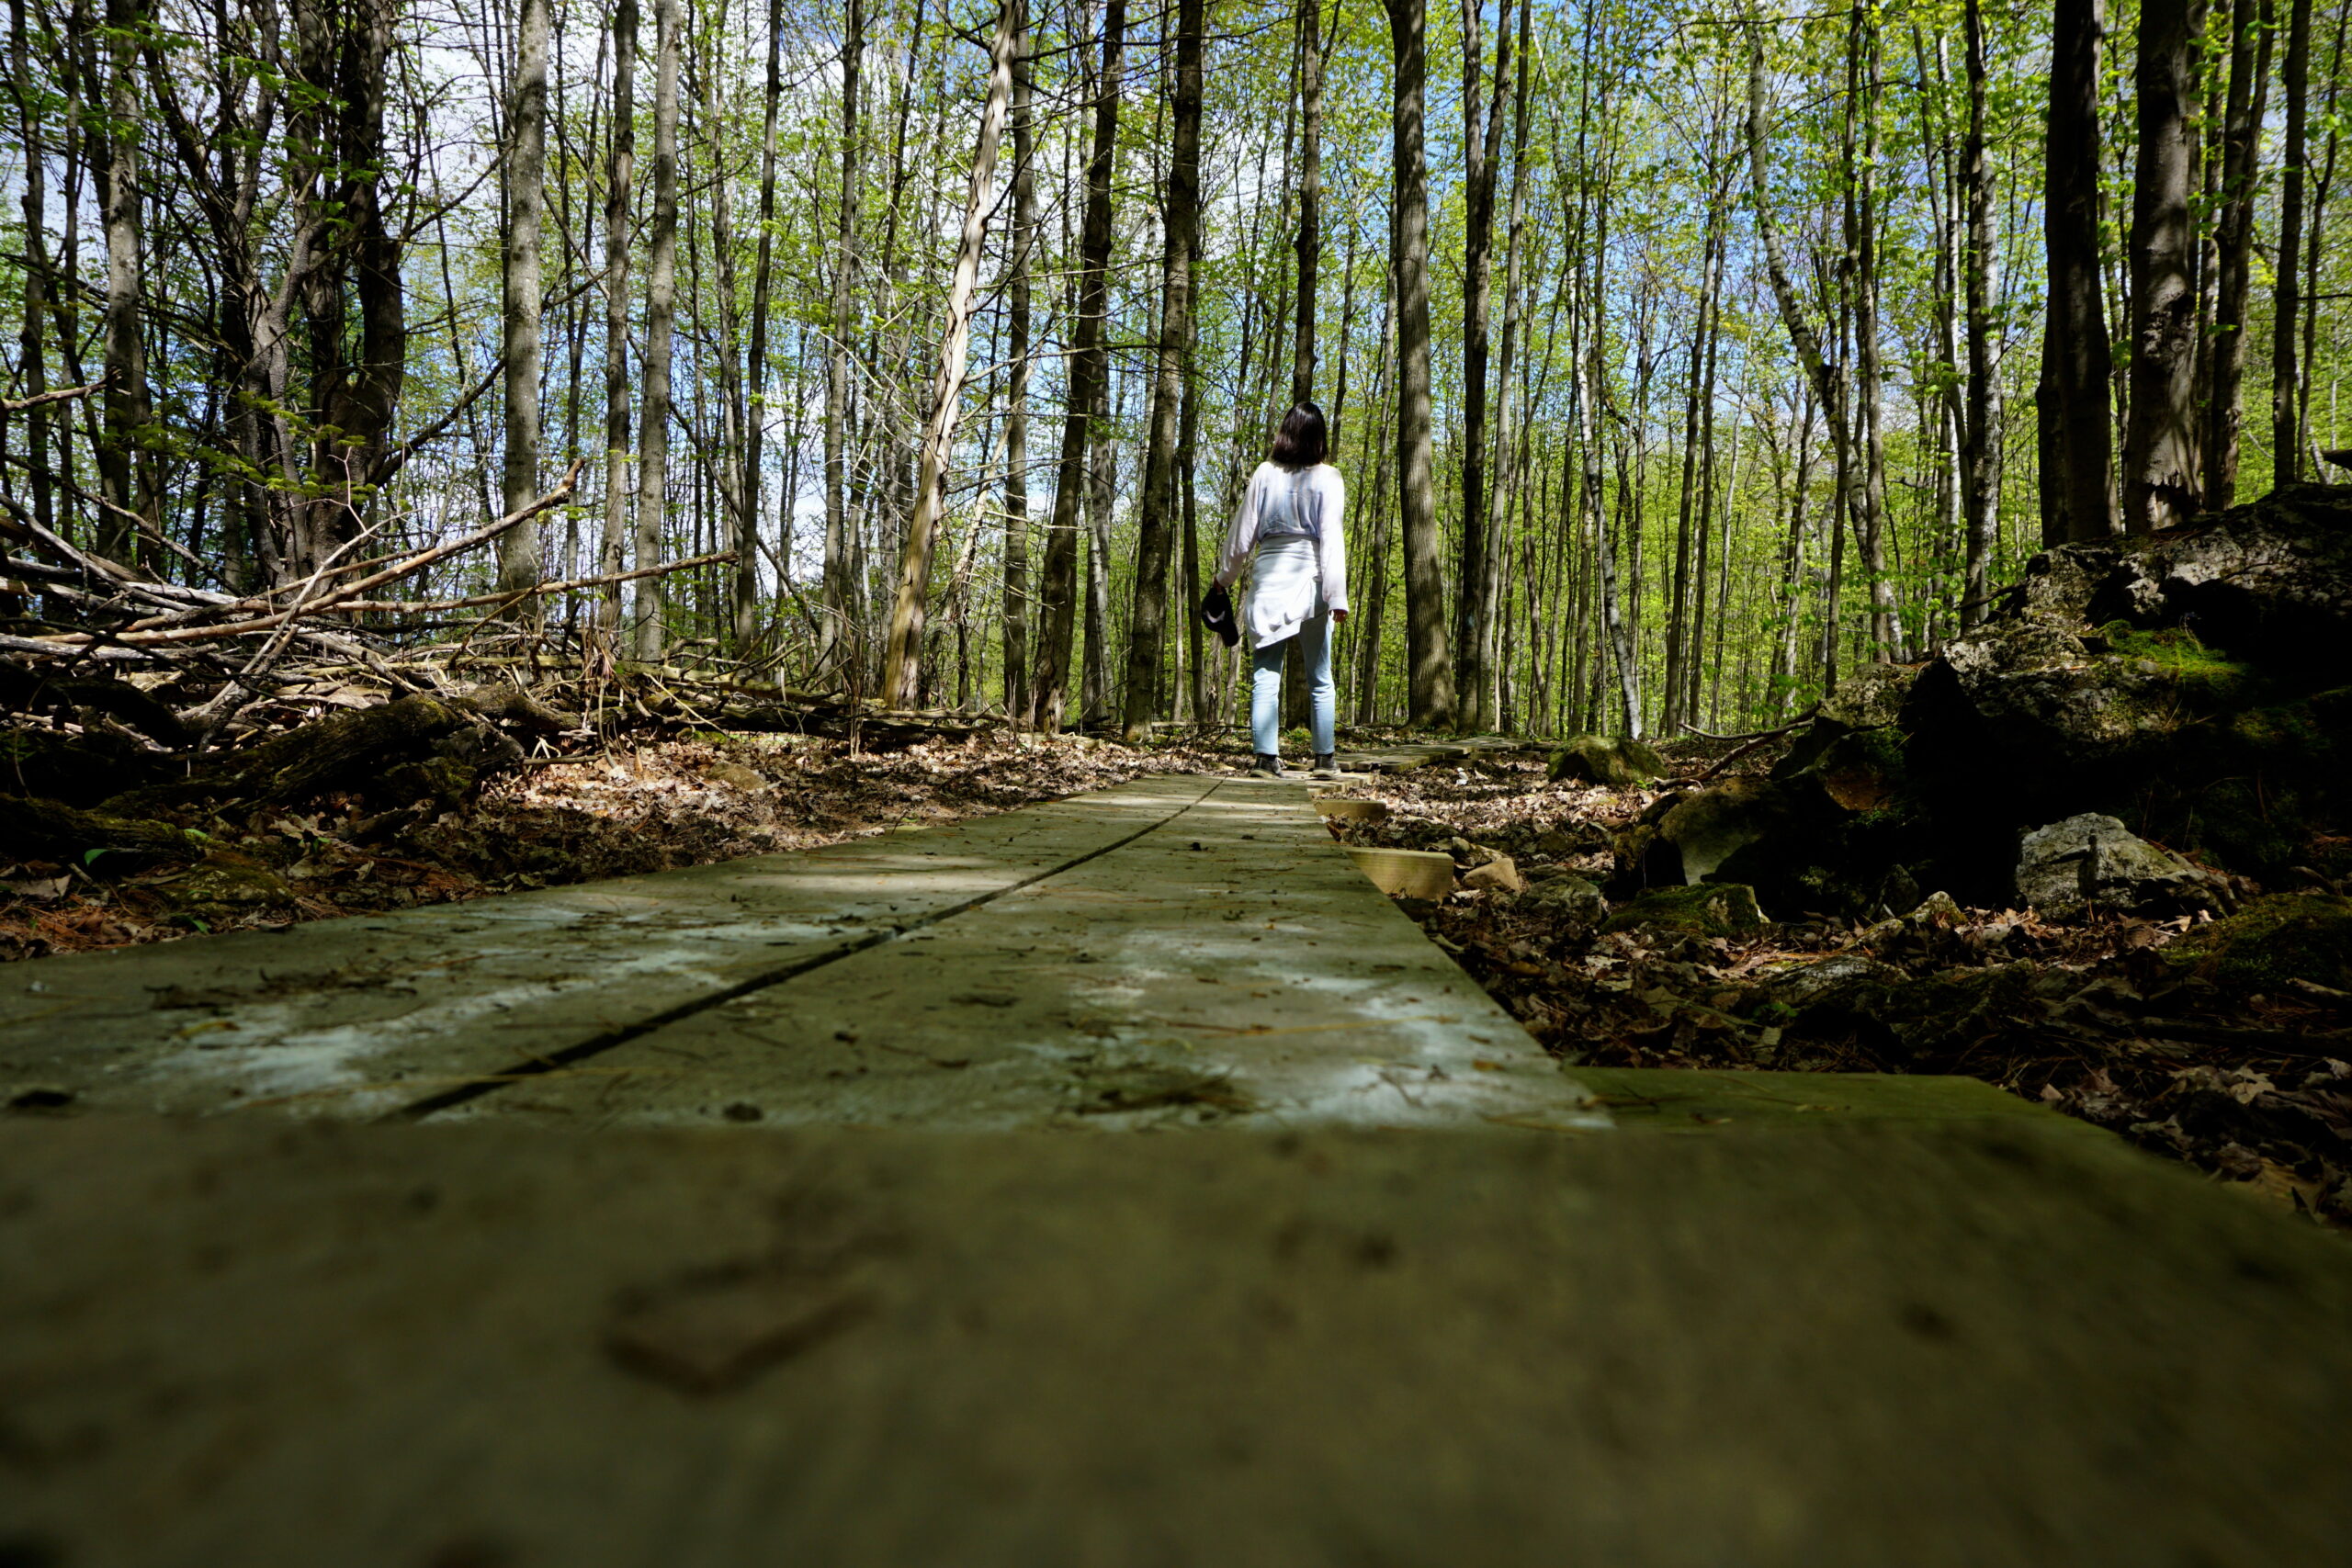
pixel 905 647
pixel 2250 35
pixel 125 397
pixel 524 171
pixel 1429 663
pixel 2078 456
pixel 1017 413
pixel 2160 480
pixel 660 326
pixel 1147 627
pixel 839 585
pixel 2287 370
pixel 620 175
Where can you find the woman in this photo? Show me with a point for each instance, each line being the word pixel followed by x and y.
pixel 1290 525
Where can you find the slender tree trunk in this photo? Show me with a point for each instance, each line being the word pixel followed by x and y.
pixel 1429 662
pixel 1310 195
pixel 899 660
pixel 1147 626
pixel 126 397
pixel 2250 34
pixel 839 585
pixel 1980 457
pixel 661 325
pixel 1059 587
pixel 1016 414
pixel 1869 377
pixel 2160 478
pixel 1482 142
pixel 747 538
pixel 1487 625
pixel 31 356
pixel 2287 370
pixel 2078 428
pixel 524 171
pixel 618 250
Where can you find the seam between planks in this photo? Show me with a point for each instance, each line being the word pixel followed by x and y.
pixel 596 1045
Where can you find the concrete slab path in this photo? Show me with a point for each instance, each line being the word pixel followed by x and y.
pixel 841 1276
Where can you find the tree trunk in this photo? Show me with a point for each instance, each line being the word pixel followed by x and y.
pixel 2287 371
pixel 31 357
pixel 1016 414
pixel 524 171
pixel 1482 126
pixel 618 250
pixel 905 647
pixel 1147 626
pixel 747 538
pixel 661 325
pixel 1310 195
pixel 1059 587
pixel 1429 663
pixel 1980 459
pixel 2078 358
pixel 126 397
pixel 2160 480
pixel 2250 36
pixel 840 588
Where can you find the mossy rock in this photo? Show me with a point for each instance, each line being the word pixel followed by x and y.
pixel 1705 908
pixel 2284 937
pixel 2202 677
pixel 226 884
pixel 1617 762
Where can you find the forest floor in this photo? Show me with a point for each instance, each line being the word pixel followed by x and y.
pixel 2085 1017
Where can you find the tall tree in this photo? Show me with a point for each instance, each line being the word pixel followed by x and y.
pixel 905 649
pixel 1310 194
pixel 2250 33
pixel 660 327
pixel 2160 478
pixel 2286 367
pixel 1482 128
pixel 1088 379
pixel 747 529
pixel 1429 662
pixel 1980 436
pixel 1147 626
pixel 2078 438
pixel 834 651
pixel 524 169
pixel 127 405
pixel 32 358
pixel 1015 567
pixel 619 176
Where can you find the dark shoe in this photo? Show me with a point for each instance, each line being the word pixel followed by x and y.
pixel 1326 766
pixel 1266 767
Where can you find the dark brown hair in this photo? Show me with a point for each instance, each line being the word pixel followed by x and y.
pixel 1299 442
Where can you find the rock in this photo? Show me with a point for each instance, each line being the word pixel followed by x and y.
pixel 1707 828
pixel 1709 909
pixel 1936 912
pixel 1841 977
pixel 1499 874
pixel 1617 762
pixel 1571 900
pixel 1466 854
pixel 224 885
pixel 734 775
pixel 2092 860
pixel 2289 936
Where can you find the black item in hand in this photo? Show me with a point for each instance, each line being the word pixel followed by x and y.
pixel 1216 613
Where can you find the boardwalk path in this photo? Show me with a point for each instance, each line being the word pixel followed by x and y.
pixel 847 1273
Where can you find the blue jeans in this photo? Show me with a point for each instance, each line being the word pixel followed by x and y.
pixel 1313 641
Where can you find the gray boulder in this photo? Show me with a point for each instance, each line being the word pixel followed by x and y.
pixel 1569 899
pixel 2094 860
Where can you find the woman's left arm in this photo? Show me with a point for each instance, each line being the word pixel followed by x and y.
pixel 1333 564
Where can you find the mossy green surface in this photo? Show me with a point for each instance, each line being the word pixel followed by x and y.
pixel 1705 908
pixel 2270 941
pixel 2205 678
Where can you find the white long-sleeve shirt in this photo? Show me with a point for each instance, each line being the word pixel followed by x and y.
pixel 1324 495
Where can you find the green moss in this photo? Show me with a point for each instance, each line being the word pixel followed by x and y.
pixel 1705 908
pixel 2201 678
pixel 2271 941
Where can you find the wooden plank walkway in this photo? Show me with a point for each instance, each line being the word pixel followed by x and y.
pixel 844 1272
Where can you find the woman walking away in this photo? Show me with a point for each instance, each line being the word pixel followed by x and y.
pixel 1290 523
